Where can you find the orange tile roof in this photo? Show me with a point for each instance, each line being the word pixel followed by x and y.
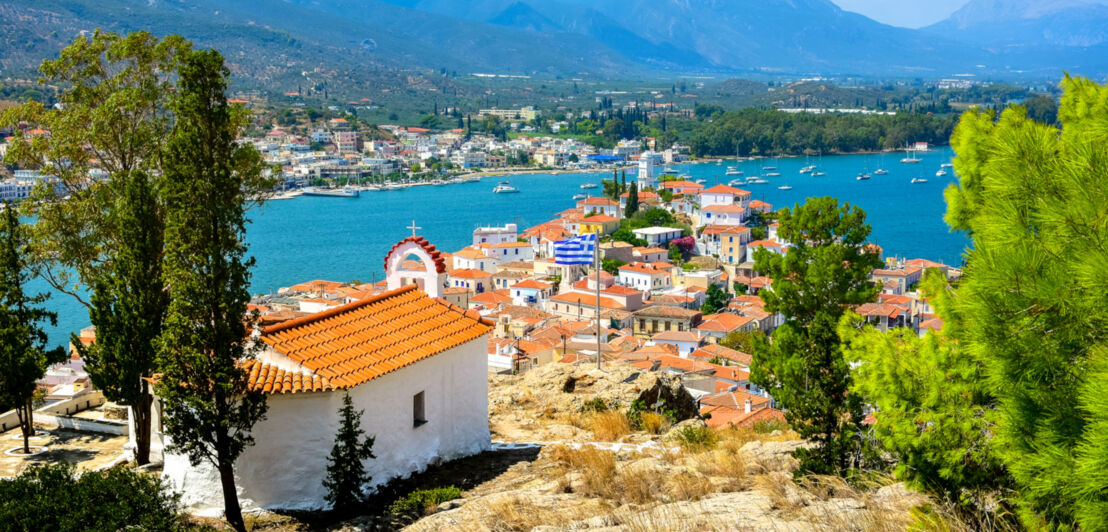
pixel 710 351
pixel 734 209
pixel 723 322
pixel 470 253
pixel 724 189
pixel 360 341
pixel 491 298
pixel 759 204
pixel 682 184
pixel 469 273
pixel 586 300
pixel 268 378
pixel 531 283
pixel 594 200
pixel 653 268
pixel 675 336
pixel 600 218
pixel 764 244
pixel 878 309
pixel 313 286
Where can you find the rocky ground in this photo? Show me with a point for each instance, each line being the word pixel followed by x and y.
pixel 592 472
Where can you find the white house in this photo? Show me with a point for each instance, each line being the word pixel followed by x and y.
pixel 416 365
pixel 724 195
pixel 509 251
pixel 599 205
pixel 531 292
pixel 646 276
pixel 722 215
pixel 472 258
pixel 657 236
pixel 495 235
pixel 685 341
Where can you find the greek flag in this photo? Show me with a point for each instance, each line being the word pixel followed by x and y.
pixel 577 250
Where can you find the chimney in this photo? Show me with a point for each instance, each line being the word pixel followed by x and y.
pixel 746 406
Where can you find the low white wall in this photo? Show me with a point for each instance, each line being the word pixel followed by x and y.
pixel 286 466
pixel 101 426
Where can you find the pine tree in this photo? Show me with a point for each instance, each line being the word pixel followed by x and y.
pixel 23 354
pixel 129 302
pixel 930 381
pixel 1033 197
pixel 715 299
pixel 825 271
pixel 632 200
pixel 346 472
pixel 209 408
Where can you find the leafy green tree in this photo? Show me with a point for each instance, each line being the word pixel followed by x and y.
pixel 23 354
pixel 108 232
pixel 632 200
pixel 625 235
pixel 739 288
pixel 54 497
pixel 675 254
pixel 1032 197
pixel 825 271
pixel 935 412
pixel 346 473
pixel 612 265
pixel 114 118
pixel 715 300
pixel 743 341
pixel 209 408
pixel 129 302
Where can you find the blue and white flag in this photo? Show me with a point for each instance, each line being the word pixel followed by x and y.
pixel 577 250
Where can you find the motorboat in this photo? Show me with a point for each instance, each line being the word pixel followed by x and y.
pixel 579 197
pixel 700 181
pixel 784 187
pixel 940 173
pixel 918 180
pixel 736 182
pixel 344 192
pixel 880 171
pixel 756 181
pixel 504 187
pixel 588 185
pixel 818 173
pixel 946 165
pixel 773 174
pixel 862 177
pixel 731 170
pixel 808 169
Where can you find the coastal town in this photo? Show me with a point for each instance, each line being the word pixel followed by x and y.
pixel 529 267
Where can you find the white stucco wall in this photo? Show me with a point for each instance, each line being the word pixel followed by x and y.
pixel 286 466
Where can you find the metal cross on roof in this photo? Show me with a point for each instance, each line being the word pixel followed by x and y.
pixel 414 228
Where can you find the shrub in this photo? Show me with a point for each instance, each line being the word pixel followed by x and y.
pixel 654 423
pixel 346 472
pixel 423 500
pixel 694 438
pixel 595 404
pixel 53 497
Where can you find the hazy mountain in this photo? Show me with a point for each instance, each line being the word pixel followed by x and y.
pixel 1028 23
pixel 354 41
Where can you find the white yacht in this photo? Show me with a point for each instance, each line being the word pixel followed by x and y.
pixel 940 173
pixel 918 180
pixel 588 185
pixel 808 169
pixel 344 192
pixel 504 187
pixel 731 170
pixel 579 197
pixel 880 171
pixel 784 187
pixel 862 177
pixel 909 158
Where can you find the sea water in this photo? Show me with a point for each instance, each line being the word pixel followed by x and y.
pixel 345 239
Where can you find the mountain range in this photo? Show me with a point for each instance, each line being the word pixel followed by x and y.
pixel 355 41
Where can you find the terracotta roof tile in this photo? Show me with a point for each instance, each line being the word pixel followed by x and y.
pixel 361 341
pixel 272 379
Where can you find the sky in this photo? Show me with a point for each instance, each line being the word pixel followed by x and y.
pixel 904 13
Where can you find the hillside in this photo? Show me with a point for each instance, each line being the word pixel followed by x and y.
pixel 1028 23
pixel 354 43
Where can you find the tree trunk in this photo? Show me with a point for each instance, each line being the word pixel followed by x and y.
pixel 26 424
pixel 142 417
pixel 231 510
pixel 141 414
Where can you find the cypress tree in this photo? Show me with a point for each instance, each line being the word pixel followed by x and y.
pixel 129 302
pixel 346 473
pixel 209 408
pixel 825 271
pixel 23 354
pixel 632 200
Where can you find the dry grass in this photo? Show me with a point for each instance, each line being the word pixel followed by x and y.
pixel 518 514
pixel 687 486
pixel 782 492
pixel 663 519
pixel 597 473
pixel 610 425
pixel 654 423
pixel 729 465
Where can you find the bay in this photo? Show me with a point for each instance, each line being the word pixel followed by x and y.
pixel 343 239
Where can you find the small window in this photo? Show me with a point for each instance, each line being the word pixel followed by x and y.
pixel 418 415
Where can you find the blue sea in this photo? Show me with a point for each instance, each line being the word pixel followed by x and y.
pixel 344 239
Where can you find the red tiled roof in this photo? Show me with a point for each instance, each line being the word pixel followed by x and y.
pixel 363 340
pixel 724 189
pixel 710 351
pixel 733 209
pixel 675 336
pixel 268 378
pixel 469 273
pixel 718 229
pixel 531 283
pixel 600 218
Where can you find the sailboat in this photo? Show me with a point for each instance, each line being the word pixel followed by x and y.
pixel 881 169
pixel 772 170
pixel 909 158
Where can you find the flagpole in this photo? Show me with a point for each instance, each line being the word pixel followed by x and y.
pixel 596 264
